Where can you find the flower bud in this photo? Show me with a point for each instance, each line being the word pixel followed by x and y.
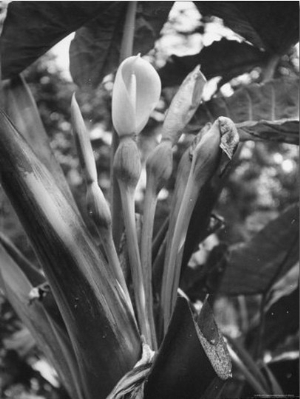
pixel 127 163
pixel 136 92
pixel 183 105
pixel 97 206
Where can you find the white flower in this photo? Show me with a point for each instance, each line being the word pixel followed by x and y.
pixel 136 92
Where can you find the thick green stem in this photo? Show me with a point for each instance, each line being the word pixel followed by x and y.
pixel 127 196
pixel 146 250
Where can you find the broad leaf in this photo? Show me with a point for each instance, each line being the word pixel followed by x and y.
pixel 253 267
pixel 270 26
pixel 191 356
pixel 31 28
pixel 95 50
pixel 94 309
pixel 260 111
pixel 225 58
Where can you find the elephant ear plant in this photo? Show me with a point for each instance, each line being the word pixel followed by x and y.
pixel 111 334
pixel 108 336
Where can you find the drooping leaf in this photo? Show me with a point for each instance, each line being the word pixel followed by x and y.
pixel 270 26
pixel 95 50
pixel 191 356
pixel 253 267
pixel 17 288
pixel 260 111
pixel 98 320
pixel 225 58
pixel 31 28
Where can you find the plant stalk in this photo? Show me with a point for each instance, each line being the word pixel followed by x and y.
pixel 127 197
pixel 116 205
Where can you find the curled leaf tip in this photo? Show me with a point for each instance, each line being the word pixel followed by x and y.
pixel 229 136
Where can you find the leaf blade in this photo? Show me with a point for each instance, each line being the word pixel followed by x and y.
pixel 253 267
pixel 262 111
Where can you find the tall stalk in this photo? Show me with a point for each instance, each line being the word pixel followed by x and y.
pixel 126 51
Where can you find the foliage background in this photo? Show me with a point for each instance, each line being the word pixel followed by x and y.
pixel 264 180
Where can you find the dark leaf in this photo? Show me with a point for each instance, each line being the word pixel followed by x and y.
pixel 31 28
pixel 226 58
pixel 270 26
pixel 94 309
pixel 190 358
pixel 260 111
pixel 95 50
pixel 253 267
pixel 286 309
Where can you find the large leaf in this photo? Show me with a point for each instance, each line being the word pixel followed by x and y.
pixel 95 50
pixel 17 288
pixel 260 111
pixel 31 28
pixel 191 357
pixel 225 58
pixel 97 316
pixel 253 267
pixel 273 26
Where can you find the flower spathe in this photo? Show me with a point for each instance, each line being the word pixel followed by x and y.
pixel 136 92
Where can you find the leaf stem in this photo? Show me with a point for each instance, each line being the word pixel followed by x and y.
pixel 268 72
pixel 127 197
pixel 250 378
pixel 146 250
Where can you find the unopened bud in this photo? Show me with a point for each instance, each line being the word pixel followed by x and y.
pixel 127 163
pixel 97 206
pixel 136 92
pixel 159 164
pixel 183 105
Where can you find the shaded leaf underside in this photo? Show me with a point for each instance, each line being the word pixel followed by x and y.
pixel 31 28
pixel 95 50
pixel 225 58
pixel 273 26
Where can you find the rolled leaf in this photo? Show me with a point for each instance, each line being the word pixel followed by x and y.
pixel 93 306
pixel 189 359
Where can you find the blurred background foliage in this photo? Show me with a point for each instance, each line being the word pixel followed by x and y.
pixel 264 180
